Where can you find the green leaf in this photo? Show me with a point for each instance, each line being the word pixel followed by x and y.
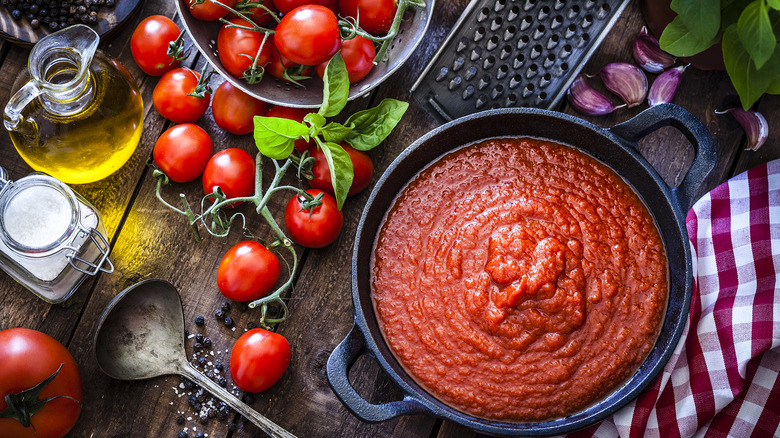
pixel 370 127
pixel 335 132
pixel 755 32
pixel 774 4
pixel 275 137
pixel 749 82
pixel 774 87
pixel 340 166
pixel 679 41
pixel 730 12
pixel 336 87
pixel 315 119
pixel 700 17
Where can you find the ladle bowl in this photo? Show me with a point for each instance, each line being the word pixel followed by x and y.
pixel 140 335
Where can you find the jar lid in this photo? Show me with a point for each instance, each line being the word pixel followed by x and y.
pixel 38 214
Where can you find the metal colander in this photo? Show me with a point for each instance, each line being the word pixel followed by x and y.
pixel 513 53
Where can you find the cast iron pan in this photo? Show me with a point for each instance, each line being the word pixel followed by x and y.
pixel 616 147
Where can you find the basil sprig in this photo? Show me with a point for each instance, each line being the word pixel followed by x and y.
pixel 275 137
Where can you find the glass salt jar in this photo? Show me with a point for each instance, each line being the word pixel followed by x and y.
pixel 51 239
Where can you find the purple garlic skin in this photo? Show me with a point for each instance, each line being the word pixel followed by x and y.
pixel 649 55
pixel 626 80
pixel 665 86
pixel 755 126
pixel 587 100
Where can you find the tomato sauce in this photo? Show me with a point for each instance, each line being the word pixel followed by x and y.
pixel 519 280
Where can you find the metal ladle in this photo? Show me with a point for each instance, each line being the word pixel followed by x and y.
pixel 140 335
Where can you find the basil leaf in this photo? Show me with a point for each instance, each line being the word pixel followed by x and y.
pixel 774 4
pixel 340 166
pixel 749 82
pixel 335 132
pixel 370 127
pixel 679 41
pixel 275 137
pixel 315 120
pixel 700 17
pixel 335 90
pixel 755 32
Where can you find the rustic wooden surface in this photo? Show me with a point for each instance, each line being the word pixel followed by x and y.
pixel 149 241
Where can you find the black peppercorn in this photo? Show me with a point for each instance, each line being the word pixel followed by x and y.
pixel 182 434
pixel 222 382
pixel 201 361
pixel 229 322
pixel 204 419
pixel 199 337
pixel 220 366
pixel 192 400
pixel 200 320
pixel 180 419
pixel 197 346
pixel 200 434
pixel 248 399
pixel 207 342
pixel 210 375
pixel 225 306
pixel 219 313
pixel 222 415
pixel 16 14
pixel 212 413
pixel 202 397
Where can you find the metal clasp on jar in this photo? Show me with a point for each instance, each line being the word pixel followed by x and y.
pixel 91 268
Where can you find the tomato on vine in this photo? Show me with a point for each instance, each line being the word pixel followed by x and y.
pixel 313 227
pixel 181 96
pixel 308 35
pixel 183 151
pixel 258 359
pixel 362 170
pixel 358 54
pixel 234 110
pixel 374 16
pixel 150 44
pixel 233 170
pixel 297 114
pixel 247 271
pixel 252 9
pixel 207 10
pixel 30 358
pixel 286 6
pixel 240 49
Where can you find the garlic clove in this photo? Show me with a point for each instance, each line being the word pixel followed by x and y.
pixel 625 80
pixel 587 100
pixel 649 55
pixel 665 86
pixel 755 126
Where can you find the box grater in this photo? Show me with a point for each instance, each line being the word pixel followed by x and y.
pixel 513 53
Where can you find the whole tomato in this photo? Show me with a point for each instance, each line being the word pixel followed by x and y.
pixel 149 44
pixel 208 10
pixel 247 271
pixel 234 110
pixel 258 14
pixel 183 151
pixel 28 358
pixel 375 16
pixel 286 6
pixel 358 54
pixel 296 114
pixel 279 65
pixel 174 96
pixel 237 47
pixel 233 170
pixel 362 169
pixel 308 35
pixel 258 360
pixel 313 228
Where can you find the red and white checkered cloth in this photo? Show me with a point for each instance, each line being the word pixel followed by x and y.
pixel 722 379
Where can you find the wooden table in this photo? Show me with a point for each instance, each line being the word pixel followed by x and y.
pixel 150 241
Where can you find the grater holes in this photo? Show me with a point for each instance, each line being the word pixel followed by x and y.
pixel 603 11
pixel 492 43
pixel 539 32
pixel 548 61
pixel 442 74
pixel 529 4
pixel 497 91
pixel 557 21
pixel 518 61
pixel 483 14
pixel 502 71
pixel 589 4
pixel 505 52
pixel 584 38
pixel 513 13
pixel 509 33
pixel 476 53
pixel 481 101
pixel 526 23
pixel 511 100
pixel 570 31
pixel 545 80
pixel 500 5
pixel 522 42
pixel 458 64
pixel 565 51
pixel 479 33
pixel 496 24
pixel 587 21
pixel 559 4
pixel 515 81
pixel 470 73
pixel 562 69
pixel 462 44
pixel 542 96
pixel 455 83
pixel 489 62
pixel 536 51
pixel 484 81
pixel 543 13
pixel 553 41
pixel 573 11
pixel 528 90
pixel 467 92
pixel 531 71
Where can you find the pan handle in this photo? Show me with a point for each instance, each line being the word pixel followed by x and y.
pixel 339 362
pixel 669 114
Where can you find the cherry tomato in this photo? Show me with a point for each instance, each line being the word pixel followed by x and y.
pixel 376 16
pixel 362 167
pixel 247 272
pixel 258 360
pixel 280 64
pixel 183 151
pixel 149 44
pixel 172 96
pixel 358 54
pixel 234 110
pixel 208 10
pixel 258 14
pixel 237 47
pixel 28 358
pixel 308 35
pixel 296 114
pixel 286 6
pixel 317 227
pixel 233 170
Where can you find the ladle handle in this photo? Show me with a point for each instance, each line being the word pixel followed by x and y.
pixel 266 425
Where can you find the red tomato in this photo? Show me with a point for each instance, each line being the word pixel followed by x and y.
pixel 234 110
pixel 258 360
pixel 209 10
pixel 358 54
pixel 279 64
pixel 260 15
pixel 28 358
pixel 313 228
pixel 237 47
pixel 247 272
pixel 183 151
pixel 296 114
pixel 308 35
pixel 376 16
pixel 233 170
pixel 362 167
pixel 172 96
pixel 286 6
pixel 149 44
